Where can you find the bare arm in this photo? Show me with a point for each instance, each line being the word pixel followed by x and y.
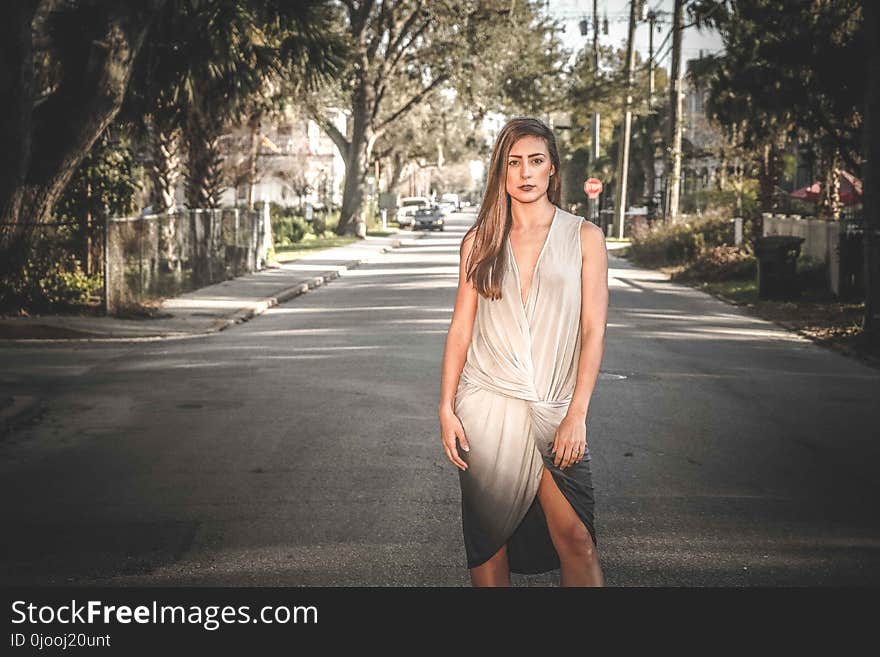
pixel 570 442
pixel 458 340
pixel 460 332
pixel 594 316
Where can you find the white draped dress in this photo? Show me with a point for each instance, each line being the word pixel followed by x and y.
pixel 514 390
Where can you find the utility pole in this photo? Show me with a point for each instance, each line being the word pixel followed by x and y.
pixel 623 158
pixel 594 124
pixel 673 179
pixel 652 18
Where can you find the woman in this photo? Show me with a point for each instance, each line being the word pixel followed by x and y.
pixel 521 360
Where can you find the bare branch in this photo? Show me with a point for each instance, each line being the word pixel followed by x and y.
pixel 343 144
pixel 414 100
pixel 394 41
pixel 382 20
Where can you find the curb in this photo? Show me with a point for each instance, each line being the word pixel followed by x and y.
pixel 284 295
pixel 240 316
pixel 300 288
pixel 844 350
pixel 866 359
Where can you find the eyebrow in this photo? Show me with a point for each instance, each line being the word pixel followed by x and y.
pixel 532 155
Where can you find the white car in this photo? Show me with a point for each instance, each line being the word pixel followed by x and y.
pixel 407 209
pixel 449 203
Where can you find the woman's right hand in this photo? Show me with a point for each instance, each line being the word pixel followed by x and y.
pixel 450 430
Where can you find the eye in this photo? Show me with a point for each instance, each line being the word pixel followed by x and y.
pixel 538 160
pixel 511 163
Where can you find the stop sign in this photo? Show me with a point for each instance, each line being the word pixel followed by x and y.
pixel 593 187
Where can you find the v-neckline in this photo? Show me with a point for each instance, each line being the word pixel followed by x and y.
pixel 525 303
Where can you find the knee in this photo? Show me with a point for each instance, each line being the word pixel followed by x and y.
pixel 574 540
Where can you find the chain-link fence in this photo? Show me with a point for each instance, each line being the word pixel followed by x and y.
pixel 156 256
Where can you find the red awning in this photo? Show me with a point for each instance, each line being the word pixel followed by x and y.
pixel 850 190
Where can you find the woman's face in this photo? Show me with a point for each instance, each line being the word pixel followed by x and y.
pixel 528 169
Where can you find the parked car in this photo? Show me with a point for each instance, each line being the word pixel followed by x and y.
pixel 449 203
pixel 407 209
pixel 430 218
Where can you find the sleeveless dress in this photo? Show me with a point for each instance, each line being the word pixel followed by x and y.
pixel 513 392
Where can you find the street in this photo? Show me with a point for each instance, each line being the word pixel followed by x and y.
pixel 302 448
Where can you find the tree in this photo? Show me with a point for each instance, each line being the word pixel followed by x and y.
pixel 61 90
pixel 498 54
pixel 66 69
pixel 430 135
pixel 212 64
pixel 588 91
pixel 786 65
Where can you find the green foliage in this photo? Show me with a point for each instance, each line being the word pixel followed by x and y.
pixel 786 64
pixel 666 244
pixel 722 202
pixel 108 175
pixel 51 280
pixel 288 228
pixel 53 277
pixel 679 243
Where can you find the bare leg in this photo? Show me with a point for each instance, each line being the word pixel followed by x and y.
pixel 579 562
pixel 494 572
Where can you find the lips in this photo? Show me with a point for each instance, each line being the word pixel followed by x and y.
pixel 526 187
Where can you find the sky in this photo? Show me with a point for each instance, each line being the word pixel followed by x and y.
pixel 571 12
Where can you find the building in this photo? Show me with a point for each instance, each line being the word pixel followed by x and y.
pixel 297 162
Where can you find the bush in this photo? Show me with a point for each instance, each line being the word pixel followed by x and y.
pixel 665 244
pixel 51 280
pixel 680 242
pixel 716 230
pixel 708 201
pixel 721 263
pixel 288 227
pixel 289 230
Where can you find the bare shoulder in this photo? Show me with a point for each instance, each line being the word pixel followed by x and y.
pixel 592 240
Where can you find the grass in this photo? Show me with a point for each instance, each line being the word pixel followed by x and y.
pixel 312 243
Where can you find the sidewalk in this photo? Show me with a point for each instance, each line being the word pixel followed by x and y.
pixel 209 309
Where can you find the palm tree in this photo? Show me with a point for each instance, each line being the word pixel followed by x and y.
pixel 211 63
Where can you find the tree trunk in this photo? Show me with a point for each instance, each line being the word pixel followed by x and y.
pixel 355 165
pixel 164 167
pixel 768 175
pixel 16 85
pixel 829 206
pixel 43 144
pixel 254 125
pixel 352 196
pixel 204 179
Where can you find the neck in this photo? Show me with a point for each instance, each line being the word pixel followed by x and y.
pixel 534 214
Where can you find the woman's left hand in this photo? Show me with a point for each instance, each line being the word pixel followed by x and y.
pixel 570 441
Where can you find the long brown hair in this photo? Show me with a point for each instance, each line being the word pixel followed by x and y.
pixel 486 263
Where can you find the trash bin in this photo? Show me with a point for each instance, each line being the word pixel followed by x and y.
pixel 777 261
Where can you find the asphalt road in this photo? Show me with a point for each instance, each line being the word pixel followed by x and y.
pixel 302 447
